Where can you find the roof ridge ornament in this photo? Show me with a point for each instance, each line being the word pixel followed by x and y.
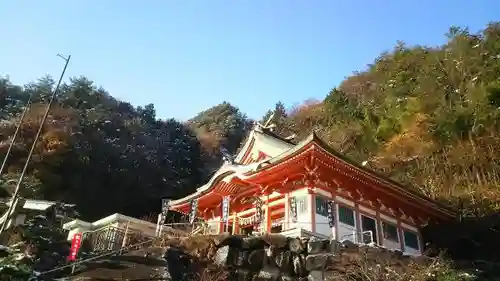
pixel 267 125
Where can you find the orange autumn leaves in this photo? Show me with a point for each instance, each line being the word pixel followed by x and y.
pixel 55 139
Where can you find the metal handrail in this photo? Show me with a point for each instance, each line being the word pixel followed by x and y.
pixel 79 262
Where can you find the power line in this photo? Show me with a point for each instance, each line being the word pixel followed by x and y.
pixel 18 128
pixel 44 118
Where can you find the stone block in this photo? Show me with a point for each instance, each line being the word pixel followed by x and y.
pixel 299 266
pixel 295 245
pixel 349 244
pixel 227 256
pixel 287 278
pixel 256 259
pixel 278 240
pixel 284 261
pixel 253 243
pixel 232 241
pixel 269 273
pixel 240 274
pixel 242 258
pixel 316 275
pixel 316 262
pixel 333 246
pixel 317 246
pixel 221 256
pixel 178 264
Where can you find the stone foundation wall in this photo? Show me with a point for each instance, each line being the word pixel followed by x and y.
pixel 276 257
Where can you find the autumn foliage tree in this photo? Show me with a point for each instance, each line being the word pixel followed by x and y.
pixel 425 116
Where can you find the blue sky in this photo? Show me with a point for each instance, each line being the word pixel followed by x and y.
pixel 185 56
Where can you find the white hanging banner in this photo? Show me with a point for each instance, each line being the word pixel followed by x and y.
pixel 331 213
pixel 293 209
pixel 225 208
pixel 258 210
pixel 194 210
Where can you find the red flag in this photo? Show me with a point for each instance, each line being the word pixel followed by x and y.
pixel 75 246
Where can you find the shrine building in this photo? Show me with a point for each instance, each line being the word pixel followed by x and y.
pixel 309 189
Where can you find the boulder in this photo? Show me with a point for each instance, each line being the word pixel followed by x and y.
pixel 317 246
pixel 295 245
pixel 254 243
pixel 316 262
pixel 256 260
pixel 277 240
pixel 299 266
pixel 269 273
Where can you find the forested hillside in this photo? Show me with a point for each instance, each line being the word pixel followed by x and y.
pixel 425 116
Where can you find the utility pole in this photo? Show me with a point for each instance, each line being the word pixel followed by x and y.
pixel 44 118
pixel 18 128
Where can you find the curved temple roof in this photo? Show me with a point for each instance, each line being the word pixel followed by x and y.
pixel 244 172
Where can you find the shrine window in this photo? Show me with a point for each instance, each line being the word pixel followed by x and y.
pixel 321 206
pixel 346 216
pixel 411 239
pixel 301 202
pixel 390 231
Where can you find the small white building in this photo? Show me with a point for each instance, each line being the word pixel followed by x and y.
pixel 117 221
pixel 298 182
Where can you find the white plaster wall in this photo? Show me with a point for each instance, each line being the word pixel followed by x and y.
pixel 213 225
pixel 269 145
pixel 72 232
pixel 345 231
pixel 303 219
pixel 322 226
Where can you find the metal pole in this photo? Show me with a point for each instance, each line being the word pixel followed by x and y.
pixel 18 128
pixel 21 177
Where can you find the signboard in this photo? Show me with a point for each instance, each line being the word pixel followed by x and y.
pixel 194 210
pixel 331 213
pixel 76 242
pixel 293 209
pixel 225 209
